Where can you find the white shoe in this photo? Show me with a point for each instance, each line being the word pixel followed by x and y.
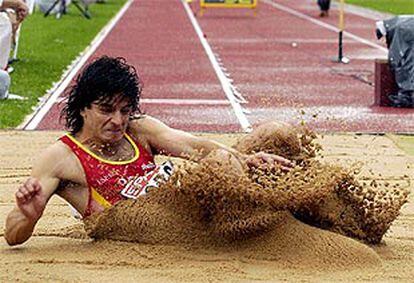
pixel 15 97
pixel 10 69
pixel 380 29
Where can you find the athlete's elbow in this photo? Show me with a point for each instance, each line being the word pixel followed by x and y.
pixel 16 233
pixel 12 240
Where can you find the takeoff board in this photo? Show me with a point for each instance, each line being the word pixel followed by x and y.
pixel 251 4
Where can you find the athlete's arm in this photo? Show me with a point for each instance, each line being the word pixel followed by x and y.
pixel 32 197
pixel 173 142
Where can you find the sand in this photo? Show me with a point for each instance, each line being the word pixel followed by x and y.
pixel 281 248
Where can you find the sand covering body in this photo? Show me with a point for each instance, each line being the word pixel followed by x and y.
pixel 211 206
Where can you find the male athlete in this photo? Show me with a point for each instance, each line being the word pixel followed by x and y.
pixel 108 156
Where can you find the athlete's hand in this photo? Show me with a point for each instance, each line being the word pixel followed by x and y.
pixel 266 160
pixel 31 200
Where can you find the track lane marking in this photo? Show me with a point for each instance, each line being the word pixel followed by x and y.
pixel 228 88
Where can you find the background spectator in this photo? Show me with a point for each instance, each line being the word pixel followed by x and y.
pixel 324 5
pixel 4 84
pixel 399 34
pixel 12 13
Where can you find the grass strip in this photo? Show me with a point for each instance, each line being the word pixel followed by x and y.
pixel 397 7
pixel 404 142
pixel 46 47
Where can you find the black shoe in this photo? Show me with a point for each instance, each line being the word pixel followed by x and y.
pixel 378 33
pixel 402 100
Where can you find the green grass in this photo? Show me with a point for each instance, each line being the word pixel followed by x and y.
pixel 397 7
pixel 406 143
pixel 47 46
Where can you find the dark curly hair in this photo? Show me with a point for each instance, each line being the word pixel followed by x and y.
pixel 101 81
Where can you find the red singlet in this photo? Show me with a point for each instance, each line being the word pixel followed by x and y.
pixel 106 179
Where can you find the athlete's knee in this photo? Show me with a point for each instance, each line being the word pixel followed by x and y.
pixel 219 156
pixel 222 158
pixel 271 137
pixel 271 127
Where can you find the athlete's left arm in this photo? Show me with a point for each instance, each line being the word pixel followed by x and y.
pixel 168 141
pixel 172 142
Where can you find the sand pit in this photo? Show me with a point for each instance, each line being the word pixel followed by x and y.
pixel 278 247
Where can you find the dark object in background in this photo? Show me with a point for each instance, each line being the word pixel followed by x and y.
pixel 59 7
pixel 384 83
pixel 399 34
pixel 324 5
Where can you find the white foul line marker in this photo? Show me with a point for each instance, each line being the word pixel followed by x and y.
pixel 225 83
pixel 32 122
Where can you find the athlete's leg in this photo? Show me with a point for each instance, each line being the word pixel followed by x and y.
pixel 272 137
pixel 236 206
pixel 220 157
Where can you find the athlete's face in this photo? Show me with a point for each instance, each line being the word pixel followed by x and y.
pixel 107 121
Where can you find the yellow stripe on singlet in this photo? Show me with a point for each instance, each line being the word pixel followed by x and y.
pixel 100 199
pixel 130 140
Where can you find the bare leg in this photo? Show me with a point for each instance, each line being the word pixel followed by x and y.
pixel 219 158
pixel 272 137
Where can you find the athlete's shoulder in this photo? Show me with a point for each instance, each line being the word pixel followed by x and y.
pixel 144 125
pixel 55 158
pixel 56 150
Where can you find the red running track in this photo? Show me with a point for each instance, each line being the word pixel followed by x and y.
pixel 278 80
pixel 157 37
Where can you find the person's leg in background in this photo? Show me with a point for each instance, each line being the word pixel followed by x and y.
pixel 6 33
pixel 4 84
pixel 5 45
pixel 324 6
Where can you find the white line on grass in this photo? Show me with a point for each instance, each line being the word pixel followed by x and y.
pixel 225 82
pixel 52 95
pixel 322 24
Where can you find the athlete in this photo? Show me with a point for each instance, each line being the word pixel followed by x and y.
pixel 108 154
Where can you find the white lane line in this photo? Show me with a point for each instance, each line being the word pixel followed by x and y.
pixel 174 101
pixel 52 95
pixel 186 101
pixel 225 82
pixel 322 24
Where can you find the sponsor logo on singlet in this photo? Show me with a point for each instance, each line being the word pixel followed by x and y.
pixel 148 166
pixel 135 186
